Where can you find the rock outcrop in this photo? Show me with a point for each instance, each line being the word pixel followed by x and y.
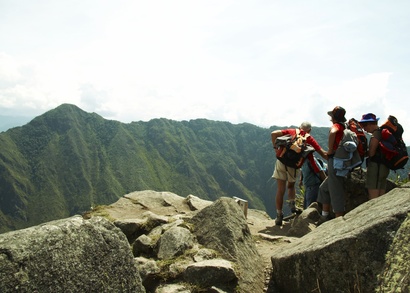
pixel 196 243
pixel 158 242
pixel 395 276
pixel 223 227
pixel 69 255
pixel 345 254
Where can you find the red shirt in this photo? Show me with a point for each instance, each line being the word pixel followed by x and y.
pixel 310 140
pixel 339 134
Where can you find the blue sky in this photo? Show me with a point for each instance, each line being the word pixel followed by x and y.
pixel 262 62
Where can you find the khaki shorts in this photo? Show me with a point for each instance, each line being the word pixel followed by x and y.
pixel 376 176
pixel 285 173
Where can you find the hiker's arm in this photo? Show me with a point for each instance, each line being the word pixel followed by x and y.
pixel 275 134
pixel 373 144
pixel 323 154
pixel 310 140
pixel 331 142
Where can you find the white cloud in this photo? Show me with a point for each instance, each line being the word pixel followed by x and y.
pixel 266 63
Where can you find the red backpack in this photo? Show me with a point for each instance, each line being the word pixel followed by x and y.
pixel 362 147
pixel 392 146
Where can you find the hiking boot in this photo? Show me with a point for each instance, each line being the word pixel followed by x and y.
pixel 294 209
pixel 278 220
pixel 322 219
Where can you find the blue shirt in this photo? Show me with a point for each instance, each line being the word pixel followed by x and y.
pixel 309 176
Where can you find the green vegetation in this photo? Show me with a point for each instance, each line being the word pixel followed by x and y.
pixel 66 161
pixel 101 211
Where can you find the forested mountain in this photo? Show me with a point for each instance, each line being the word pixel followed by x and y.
pixel 66 161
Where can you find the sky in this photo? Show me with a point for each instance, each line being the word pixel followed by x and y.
pixel 266 62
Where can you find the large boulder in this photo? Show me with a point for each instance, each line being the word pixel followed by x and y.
pixel 395 276
pixel 305 222
pixel 222 226
pixel 174 242
pixel 355 190
pixel 69 255
pixel 345 254
pixel 213 272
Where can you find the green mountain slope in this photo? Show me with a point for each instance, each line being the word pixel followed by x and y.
pixel 66 161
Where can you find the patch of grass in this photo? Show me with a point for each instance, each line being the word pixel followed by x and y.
pixel 99 210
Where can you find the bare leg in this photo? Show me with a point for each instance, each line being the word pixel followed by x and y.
pixel 374 193
pixel 326 207
pixel 280 193
pixel 291 191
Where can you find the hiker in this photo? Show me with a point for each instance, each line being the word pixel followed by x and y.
pixel 311 176
pixel 376 176
pixel 331 191
pixel 284 174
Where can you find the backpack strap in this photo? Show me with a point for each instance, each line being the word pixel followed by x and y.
pixel 297 132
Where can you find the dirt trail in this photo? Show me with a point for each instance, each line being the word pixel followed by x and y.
pixel 270 239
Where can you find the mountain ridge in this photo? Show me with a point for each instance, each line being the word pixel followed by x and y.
pixel 66 161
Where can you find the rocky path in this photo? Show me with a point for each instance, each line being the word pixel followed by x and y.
pixel 270 239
